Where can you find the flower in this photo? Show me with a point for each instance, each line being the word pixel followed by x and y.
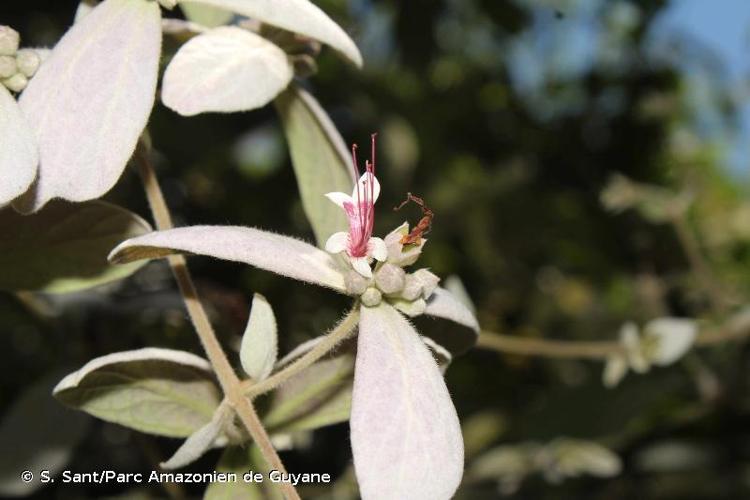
pixel 405 433
pixel 358 243
pixel 664 341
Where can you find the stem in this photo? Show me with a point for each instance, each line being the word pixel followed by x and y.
pixel 737 327
pixel 338 334
pixel 697 261
pixel 228 379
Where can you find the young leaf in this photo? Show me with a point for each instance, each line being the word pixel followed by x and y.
pixel 18 152
pixel 259 347
pixel 298 16
pixel 91 99
pixel 41 434
pixel 225 70
pixel 205 15
pixel 199 442
pixel 405 433
pixel 159 391
pixel 318 396
pixel 279 254
pixel 63 248
pixel 320 159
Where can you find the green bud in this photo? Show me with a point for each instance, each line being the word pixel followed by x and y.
pixel 8 66
pixel 371 297
pixel 28 62
pixel 390 279
pixel 9 41
pixel 16 83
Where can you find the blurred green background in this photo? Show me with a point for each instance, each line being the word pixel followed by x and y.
pixel 508 118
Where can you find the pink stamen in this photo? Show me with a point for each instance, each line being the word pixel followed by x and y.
pixel 362 219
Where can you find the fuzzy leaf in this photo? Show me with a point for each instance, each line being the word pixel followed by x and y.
pixel 91 99
pixel 41 434
pixel 63 248
pixel 280 254
pixel 19 156
pixel 159 391
pixel 442 304
pixel 318 396
pixel 239 461
pixel 198 443
pixel 320 159
pixel 298 16
pixel 226 69
pixel 205 15
pixel 405 433
pixel 259 347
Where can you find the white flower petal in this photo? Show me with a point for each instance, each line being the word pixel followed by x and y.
pixel 18 152
pixel 363 185
pixel 91 99
pixel 273 252
pixel 362 266
pixel 226 70
pixel 615 368
pixel 406 437
pixel 339 198
pixel 376 249
pixel 444 305
pixel 298 16
pixel 674 337
pixel 337 242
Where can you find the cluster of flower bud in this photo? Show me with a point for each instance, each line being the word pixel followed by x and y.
pixel 405 291
pixel 17 66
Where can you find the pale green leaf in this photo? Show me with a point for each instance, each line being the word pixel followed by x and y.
pixel 320 159
pixel 89 102
pixel 159 391
pixel 298 16
pixel 205 15
pixel 316 397
pixel 63 248
pixel 237 460
pixel 199 442
pixel 18 151
pixel 37 433
pixel 259 347
pixel 225 70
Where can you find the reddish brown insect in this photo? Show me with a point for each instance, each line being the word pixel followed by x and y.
pixel 423 226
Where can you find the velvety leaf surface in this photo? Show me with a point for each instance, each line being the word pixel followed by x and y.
pixel 259 347
pixel 280 254
pixel 320 159
pixel 406 437
pixel 18 152
pixel 159 391
pixel 239 461
pixel 227 69
pixel 318 396
pixel 63 248
pixel 298 16
pixel 90 100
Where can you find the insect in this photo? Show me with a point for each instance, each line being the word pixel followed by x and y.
pixel 423 226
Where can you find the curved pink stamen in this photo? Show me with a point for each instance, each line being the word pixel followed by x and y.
pixel 362 216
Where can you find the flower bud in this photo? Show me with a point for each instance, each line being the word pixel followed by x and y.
pixel 9 40
pixel 8 66
pixel 390 279
pixel 356 284
pixel 28 62
pixel 371 297
pixel 398 254
pixel 410 308
pixel 428 281
pixel 412 288
pixel 16 83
